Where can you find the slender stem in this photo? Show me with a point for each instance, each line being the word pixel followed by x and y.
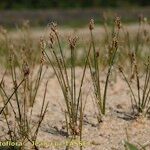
pixel 12 95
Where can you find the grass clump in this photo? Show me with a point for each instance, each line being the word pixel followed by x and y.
pixel 93 62
pixel 18 106
pixel 140 97
pixel 26 71
pixel 67 81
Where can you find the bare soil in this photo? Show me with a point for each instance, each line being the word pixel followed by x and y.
pixel 110 134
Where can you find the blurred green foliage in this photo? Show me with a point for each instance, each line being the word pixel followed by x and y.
pixel 39 4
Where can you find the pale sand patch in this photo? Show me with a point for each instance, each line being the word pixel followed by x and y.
pixel 109 135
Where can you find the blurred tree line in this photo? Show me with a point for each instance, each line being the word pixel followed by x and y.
pixel 39 4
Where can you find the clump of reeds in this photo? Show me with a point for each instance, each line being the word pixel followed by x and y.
pixel 66 77
pixel 25 85
pixel 140 97
pixel 93 62
pixel 26 81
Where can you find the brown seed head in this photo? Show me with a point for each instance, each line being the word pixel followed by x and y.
pixel 42 44
pixel 118 22
pixel 53 26
pixel 91 24
pixel 115 43
pixel 42 60
pixel 72 42
pixel 26 69
pixel 51 40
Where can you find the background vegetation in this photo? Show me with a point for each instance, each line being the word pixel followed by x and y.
pixel 36 4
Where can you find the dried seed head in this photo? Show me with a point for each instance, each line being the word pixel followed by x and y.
pixel 118 22
pixel 42 44
pixel 26 69
pixel 91 24
pixel 114 43
pixel 51 40
pixel 53 26
pixel 72 42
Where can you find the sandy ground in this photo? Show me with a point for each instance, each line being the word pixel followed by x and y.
pixel 117 123
pixel 108 135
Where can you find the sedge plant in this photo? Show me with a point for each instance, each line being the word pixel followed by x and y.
pixel 19 105
pixel 66 76
pixel 140 98
pixel 93 62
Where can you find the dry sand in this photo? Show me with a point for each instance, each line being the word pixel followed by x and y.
pixel 108 135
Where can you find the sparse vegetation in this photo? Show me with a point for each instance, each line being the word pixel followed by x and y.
pixel 27 67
